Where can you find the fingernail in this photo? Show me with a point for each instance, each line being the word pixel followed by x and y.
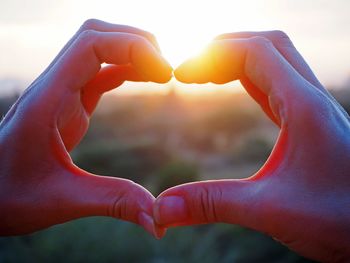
pixel 147 222
pixel 159 232
pixel 170 210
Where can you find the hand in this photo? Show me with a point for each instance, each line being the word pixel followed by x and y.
pixel 301 195
pixel 40 186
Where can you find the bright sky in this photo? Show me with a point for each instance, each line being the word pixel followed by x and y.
pixel 33 31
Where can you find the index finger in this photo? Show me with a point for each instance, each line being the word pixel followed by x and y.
pixel 101 26
pixel 253 58
pixel 83 59
pixel 285 46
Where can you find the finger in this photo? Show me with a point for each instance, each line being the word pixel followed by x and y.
pixel 98 25
pixel 287 49
pixel 101 26
pixel 285 46
pixel 257 60
pixel 91 195
pixel 260 97
pixel 227 201
pixel 107 79
pixel 93 48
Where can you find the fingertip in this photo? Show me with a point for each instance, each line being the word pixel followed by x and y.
pixel 166 72
pixel 151 64
pixel 170 210
pixel 184 72
pixel 198 69
pixel 160 231
pixel 178 74
pixel 147 222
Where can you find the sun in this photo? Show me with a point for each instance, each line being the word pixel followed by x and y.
pixel 187 27
pixel 183 28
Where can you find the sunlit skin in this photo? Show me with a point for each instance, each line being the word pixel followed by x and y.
pixel 40 186
pixel 301 195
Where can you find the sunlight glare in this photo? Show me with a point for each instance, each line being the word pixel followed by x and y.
pixel 182 28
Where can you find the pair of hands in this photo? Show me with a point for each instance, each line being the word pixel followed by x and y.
pixel 300 196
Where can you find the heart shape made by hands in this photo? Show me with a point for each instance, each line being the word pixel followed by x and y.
pixel 38 165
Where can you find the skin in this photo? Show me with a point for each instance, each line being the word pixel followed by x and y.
pixel 299 197
pixel 301 194
pixel 39 184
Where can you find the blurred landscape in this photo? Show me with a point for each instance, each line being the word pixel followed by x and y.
pixel 162 140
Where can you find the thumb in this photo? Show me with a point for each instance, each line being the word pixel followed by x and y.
pixel 92 195
pixel 228 201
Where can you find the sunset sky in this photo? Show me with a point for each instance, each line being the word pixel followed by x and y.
pixel 33 31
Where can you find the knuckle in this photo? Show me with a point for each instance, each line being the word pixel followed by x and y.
pixel 208 203
pixel 312 110
pixel 259 42
pixel 151 37
pixel 221 36
pixel 281 38
pixel 146 39
pixel 89 24
pixel 279 34
pixel 141 41
pixel 87 35
pixel 118 206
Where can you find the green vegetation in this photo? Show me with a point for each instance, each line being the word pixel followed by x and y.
pixel 109 240
pixel 175 173
pixel 160 141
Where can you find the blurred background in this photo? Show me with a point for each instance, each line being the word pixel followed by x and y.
pixel 164 135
